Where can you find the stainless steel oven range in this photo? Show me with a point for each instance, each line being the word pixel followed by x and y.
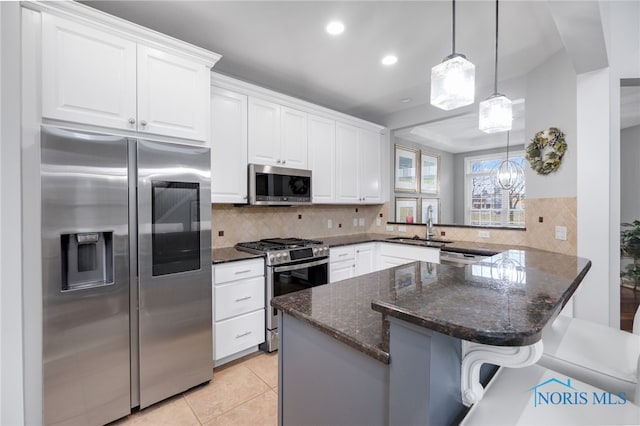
pixel 292 264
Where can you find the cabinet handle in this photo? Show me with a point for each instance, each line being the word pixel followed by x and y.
pixel 132 121
pixel 246 333
pixel 343 254
pixel 278 161
pixel 284 161
pixel 143 123
pixel 242 272
pixel 240 299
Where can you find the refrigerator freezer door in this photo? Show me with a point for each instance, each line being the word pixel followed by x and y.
pixel 174 268
pixel 85 277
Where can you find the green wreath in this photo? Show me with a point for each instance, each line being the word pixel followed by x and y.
pixel 553 139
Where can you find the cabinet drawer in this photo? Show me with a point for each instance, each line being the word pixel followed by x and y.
pixel 233 271
pixel 239 333
pixel 339 254
pixel 239 297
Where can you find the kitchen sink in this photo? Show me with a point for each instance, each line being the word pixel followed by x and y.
pixel 416 239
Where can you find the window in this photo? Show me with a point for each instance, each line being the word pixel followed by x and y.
pixel 485 202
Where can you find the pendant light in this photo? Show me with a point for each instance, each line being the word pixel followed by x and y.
pixel 496 111
pixel 453 81
pixel 509 173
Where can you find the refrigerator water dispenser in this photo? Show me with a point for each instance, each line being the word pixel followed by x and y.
pixel 87 260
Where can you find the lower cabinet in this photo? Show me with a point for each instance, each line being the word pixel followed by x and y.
pixel 359 259
pixel 238 309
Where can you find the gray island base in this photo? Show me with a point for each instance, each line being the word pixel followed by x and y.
pixel 387 348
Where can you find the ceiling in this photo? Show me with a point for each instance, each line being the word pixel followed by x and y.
pixel 460 133
pixel 283 45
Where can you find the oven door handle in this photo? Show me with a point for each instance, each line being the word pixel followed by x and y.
pixel 301 265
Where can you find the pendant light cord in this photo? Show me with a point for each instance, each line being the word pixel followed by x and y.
pixel 495 76
pixel 453 27
pixel 508 146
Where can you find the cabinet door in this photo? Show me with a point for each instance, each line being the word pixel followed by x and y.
pixel 342 270
pixel 347 164
pixel 173 95
pixel 228 146
pixel 322 155
pixel 365 259
pixel 88 75
pixel 293 134
pixel 264 132
pixel 369 157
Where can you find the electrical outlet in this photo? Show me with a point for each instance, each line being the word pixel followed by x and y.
pixel 561 233
pixel 329 224
pixel 361 221
pixel 402 228
pixel 483 234
pixel 378 221
pixel 389 228
pixel 355 221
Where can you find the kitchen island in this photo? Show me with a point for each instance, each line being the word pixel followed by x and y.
pixel 404 345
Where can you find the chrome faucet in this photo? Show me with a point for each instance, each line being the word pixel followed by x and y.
pixel 428 234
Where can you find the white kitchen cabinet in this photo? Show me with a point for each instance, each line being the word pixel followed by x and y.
pixel 238 308
pixel 294 138
pixel 342 263
pixel 93 76
pixel 88 75
pixel 369 178
pixel 347 189
pixel 277 135
pixel 365 255
pixel 173 95
pixel 409 253
pixel 322 155
pixel 228 146
pixel 357 165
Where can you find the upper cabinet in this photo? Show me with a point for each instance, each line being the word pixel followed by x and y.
pixel 228 146
pixel 358 172
pixel 95 76
pixel 322 158
pixel 342 152
pixel 277 135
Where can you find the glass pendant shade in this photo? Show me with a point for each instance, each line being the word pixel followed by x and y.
pixel 508 174
pixel 453 83
pixel 495 114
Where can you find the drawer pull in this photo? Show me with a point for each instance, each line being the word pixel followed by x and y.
pixel 242 272
pixel 246 333
pixel 240 299
pixel 343 254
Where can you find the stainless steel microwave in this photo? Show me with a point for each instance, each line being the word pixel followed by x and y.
pixel 278 186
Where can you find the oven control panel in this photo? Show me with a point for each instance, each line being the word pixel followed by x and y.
pixel 281 257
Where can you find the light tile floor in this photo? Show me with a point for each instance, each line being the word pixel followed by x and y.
pixel 244 392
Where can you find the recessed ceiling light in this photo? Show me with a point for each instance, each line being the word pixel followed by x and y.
pixel 335 27
pixel 405 100
pixel 389 60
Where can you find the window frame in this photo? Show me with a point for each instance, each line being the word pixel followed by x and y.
pixel 505 200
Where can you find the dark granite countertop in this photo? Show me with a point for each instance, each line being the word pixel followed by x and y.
pixel 230 254
pixel 505 300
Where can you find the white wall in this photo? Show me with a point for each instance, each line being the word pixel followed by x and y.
pixel 630 174
pixel 11 351
pixel 551 102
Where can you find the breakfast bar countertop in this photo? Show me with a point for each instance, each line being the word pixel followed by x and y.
pixel 504 300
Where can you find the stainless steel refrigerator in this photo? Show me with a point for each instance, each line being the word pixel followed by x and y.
pixel 126 256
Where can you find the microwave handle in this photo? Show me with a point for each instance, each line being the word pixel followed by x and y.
pixel 301 265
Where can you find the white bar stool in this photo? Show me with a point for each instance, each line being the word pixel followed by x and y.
pixel 537 396
pixel 593 353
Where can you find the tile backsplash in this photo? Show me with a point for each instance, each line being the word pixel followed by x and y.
pixel 253 223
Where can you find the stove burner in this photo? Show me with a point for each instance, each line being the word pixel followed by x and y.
pixel 279 251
